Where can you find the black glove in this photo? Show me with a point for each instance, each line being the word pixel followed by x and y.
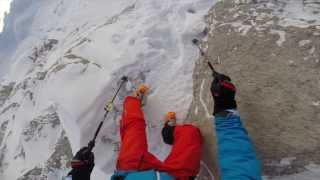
pixel 223 92
pixel 82 164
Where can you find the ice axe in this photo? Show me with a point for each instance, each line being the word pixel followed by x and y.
pixel 107 109
pixel 197 43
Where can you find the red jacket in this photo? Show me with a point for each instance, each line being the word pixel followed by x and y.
pixel 185 156
pixel 134 153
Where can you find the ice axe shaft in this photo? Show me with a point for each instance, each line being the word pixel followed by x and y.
pixel 107 109
pixel 197 43
pixel 214 72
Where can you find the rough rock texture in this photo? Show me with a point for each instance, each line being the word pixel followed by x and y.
pixel 57 162
pixel 276 71
pixel 5 92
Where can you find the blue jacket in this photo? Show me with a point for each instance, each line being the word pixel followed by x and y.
pixel 236 153
pixel 143 175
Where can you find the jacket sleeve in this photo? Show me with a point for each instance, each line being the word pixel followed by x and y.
pixel 236 153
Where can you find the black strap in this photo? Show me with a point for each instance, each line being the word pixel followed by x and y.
pixel 119 178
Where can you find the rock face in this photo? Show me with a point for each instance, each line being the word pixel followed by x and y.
pixel 30 132
pixel 275 67
pixel 55 167
pixel 43 131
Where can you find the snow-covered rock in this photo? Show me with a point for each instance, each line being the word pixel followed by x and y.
pixel 61 61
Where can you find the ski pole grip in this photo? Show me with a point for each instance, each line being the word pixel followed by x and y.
pixel 124 78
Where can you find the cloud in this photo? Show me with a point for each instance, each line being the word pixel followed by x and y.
pixel 4 7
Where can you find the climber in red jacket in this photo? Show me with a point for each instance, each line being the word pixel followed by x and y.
pixel 184 159
pixel 134 160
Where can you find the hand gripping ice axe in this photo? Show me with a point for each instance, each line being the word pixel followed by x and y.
pixel 197 43
pixel 107 109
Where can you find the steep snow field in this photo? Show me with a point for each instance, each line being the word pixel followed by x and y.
pixel 65 60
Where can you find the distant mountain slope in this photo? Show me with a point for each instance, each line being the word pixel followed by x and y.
pixel 63 59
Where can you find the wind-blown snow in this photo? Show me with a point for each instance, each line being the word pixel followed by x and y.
pixel 312 173
pixel 298 13
pixel 66 58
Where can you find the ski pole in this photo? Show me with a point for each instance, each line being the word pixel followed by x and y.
pixel 108 109
pixel 197 43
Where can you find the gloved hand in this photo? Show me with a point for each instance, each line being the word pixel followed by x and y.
pixel 82 164
pixel 223 92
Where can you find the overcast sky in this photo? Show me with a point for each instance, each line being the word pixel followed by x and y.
pixel 4 6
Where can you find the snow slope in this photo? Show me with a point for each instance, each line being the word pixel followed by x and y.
pixel 62 61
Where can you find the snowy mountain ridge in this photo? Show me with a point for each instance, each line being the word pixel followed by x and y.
pixel 63 60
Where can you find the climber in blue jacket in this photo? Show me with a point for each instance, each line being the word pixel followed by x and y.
pixel 236 153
